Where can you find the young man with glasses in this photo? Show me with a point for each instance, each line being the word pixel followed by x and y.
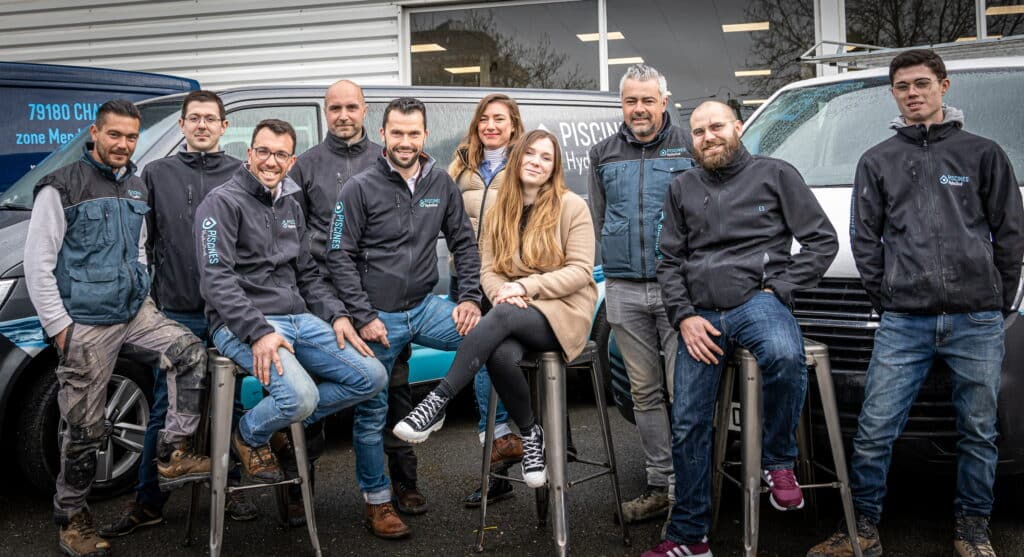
pixel 937 230
pixel 176 185
pixel 269 309
pixel 728 277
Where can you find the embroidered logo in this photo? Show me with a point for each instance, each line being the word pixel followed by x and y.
pixel 951 180
pixel 135 194
pixel 209 223
pixel 430 202
pixel 287 224
pixel 338 226
pixel 672 152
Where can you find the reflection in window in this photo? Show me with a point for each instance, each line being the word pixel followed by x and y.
pixel 1004 17
pixel 517 46
pixel 305 120
pixel 900 24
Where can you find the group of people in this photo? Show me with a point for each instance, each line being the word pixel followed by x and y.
pixel 315 274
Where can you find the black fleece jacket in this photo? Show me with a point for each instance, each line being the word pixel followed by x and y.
pixel 727 234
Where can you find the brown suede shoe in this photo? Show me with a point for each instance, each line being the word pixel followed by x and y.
pixel 79 539
pixel 507 450
pixel 409 499
pixel 258 463
pixel 384 522
pixel 180 467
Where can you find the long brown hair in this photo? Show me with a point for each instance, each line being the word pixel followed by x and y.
pixel 471 145
pixel 537 245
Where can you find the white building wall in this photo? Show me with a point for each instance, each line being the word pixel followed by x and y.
pixel 220 43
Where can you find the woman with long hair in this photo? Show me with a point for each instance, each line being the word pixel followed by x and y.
pixel 537 253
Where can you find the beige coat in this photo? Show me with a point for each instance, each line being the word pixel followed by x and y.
pixel 567 295
pixel 475 198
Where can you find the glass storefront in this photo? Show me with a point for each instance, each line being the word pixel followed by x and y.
pixel 899 24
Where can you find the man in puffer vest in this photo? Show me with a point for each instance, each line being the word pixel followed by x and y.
pixel 85 265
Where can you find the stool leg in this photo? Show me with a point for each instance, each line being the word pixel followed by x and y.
pixel 201 440
pixel 540 495
pixel 223 381
pixel 485 467
pixel 606 431
pixel 724 419
pixel 553 369
pixel 302 462
pixel 750 396
pixel 823 373
pixel 805 456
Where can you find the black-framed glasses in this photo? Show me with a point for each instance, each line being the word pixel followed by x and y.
pixel 713 127
pixel 262 153
pixel 194 119
pixel 922 84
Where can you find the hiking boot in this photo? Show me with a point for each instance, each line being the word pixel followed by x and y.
pixel 497 489
pixel 652 503
pixel 384 522
pixel 239 507
pixel 136 515
pixel 179 465
pixel 534 472
pixel 409 499
pixel 970 537
pixel 78 538
pixel 284 451
pixel 838 545
pixel 784 491
pixel 507 450
pixel 258 463
pixel 426 418
pixel 669 548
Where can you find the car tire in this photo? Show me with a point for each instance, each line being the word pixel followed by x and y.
pixel 38 444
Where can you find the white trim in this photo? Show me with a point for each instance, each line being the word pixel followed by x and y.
pixel 404 47
pixel 602 43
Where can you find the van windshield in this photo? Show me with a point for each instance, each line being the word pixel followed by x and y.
pixel 824 129
pixel 155 118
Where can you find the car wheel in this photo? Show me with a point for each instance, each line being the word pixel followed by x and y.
pixel 40 431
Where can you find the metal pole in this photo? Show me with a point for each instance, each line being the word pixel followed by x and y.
pixel 602 43
pixel 979 18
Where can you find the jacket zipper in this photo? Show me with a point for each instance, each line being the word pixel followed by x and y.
pixel 640 219
pixel 929 175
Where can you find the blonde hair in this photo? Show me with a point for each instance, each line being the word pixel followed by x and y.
pixel 471 144
pixel 537 244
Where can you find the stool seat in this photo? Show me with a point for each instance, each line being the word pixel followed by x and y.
pixel 548 382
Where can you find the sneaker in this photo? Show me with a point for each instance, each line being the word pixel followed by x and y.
pixel 426 418
pixel 78 538
pixel 136 515
pixel 498 489
pixel 970 537
pixel 785 493
pixel 669 548
pixel 258 463
pixel 180 465
pixel 409 499
pixel 384 522
pixel 838 545
pixel 507 450
pixel 652 503
pixel 534 472
pixel 239 507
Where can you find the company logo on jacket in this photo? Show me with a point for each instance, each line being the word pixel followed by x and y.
pixel 338 226
pixel 952 180
pixel 430 202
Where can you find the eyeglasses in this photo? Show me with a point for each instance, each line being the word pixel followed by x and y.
pixel 194 119
pixel 922 84
pixel 714 127
pixel 262 153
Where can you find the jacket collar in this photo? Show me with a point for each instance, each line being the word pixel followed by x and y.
pixel 255 188
pixel 627 134
pixel 339 146
pixel 952 120
pixel 727 172
pixel 200 160
pixel 106 171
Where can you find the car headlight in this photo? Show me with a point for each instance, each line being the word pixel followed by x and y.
pixel 6 285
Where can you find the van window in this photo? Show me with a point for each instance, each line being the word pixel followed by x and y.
pixel 823 130
pixel 304 118
pixel 156 117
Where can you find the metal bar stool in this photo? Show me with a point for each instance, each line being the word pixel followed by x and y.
pixel 751 424
pixel 222 381
pixel 549 396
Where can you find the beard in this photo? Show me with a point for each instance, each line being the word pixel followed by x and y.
pixel 715 161
pixel 105 156
pixel 395 161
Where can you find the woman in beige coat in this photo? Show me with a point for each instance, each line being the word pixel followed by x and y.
pixel 537 251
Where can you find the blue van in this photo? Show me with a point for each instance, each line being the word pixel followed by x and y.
pixel 43 106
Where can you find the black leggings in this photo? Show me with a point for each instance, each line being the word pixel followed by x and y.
pixel 501 338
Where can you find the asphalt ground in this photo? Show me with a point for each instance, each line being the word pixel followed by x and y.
pixel 918 519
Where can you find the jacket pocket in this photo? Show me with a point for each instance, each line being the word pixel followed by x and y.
pixel 92 228
pixel 669 165
pixel 95 293
pixel 615 246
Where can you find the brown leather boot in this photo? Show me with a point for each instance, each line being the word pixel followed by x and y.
pixel 384 522
pixel 409 498
pixel 79 539
pixel 258 463
pixel 179 465
pixel 507 450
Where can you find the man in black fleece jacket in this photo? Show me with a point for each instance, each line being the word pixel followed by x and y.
pixel 937 230
pixel 727 279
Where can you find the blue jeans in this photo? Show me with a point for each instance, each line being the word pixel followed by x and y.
pixel 429 324
pixel 347 377
pixel 147 492
pixel 766 327
pixel 971 344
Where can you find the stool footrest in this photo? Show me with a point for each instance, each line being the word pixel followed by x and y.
pixel 593 476
pixel 233 488
pixel 830 485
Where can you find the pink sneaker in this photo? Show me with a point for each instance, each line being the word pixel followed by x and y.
pixel 669 548
pixel 785 493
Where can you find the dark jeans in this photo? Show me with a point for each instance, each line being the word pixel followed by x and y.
pixel 905 347
pixel 766 327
